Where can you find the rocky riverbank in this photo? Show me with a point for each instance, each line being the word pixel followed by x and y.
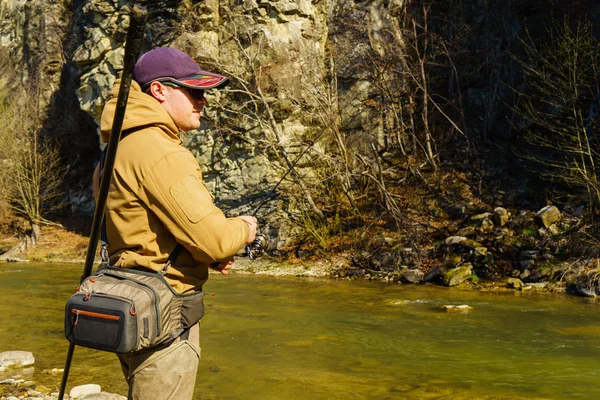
pixel 504 249
pixel 338 270
pixel 16 369
pixel 514 249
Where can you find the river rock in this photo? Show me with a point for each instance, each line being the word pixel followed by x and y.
pixel 587 290
pixel 486 226
pixel 383 260
pixel 455 240
pixel 452 259
pixel 16 358
pixel 526 264
pixel 412 276
pixel 463 242
pixel 553 229
pixel 434 273
pixel 470 244
pixel 33 393
pixel 458 275
pixel 529 255
pixel 481 251
pixel 466 231
pixel 104 396
pixel 547 216
pixel 514 283
pixel 500 216
pixel 524 275
pixel 539 285
pixel 461 307
pixel 81 391
pixel 42 389
pixel 480 217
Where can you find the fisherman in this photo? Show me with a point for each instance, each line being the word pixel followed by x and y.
pixel 158 200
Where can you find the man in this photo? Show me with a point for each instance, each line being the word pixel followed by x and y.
pixel 157 200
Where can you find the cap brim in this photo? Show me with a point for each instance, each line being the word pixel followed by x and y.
pixel 203 81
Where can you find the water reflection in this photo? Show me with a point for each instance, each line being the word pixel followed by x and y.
pixel 287 338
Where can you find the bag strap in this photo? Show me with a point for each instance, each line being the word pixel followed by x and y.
pixel 172 258
pixel 104 237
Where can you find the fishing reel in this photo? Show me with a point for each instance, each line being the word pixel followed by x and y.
pixel 257 248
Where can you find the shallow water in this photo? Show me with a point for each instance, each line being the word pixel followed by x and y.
pixel 295 339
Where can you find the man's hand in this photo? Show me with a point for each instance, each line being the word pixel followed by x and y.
pixel 253 224
pixel 223 267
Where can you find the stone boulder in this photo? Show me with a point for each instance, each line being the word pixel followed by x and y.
pixel 458 275
pixel 412 276
pixel 587 290
pixel 455 240
pixel 460 307
pixel 103 396
pixel 16 358
pixel 500 216
pixel 547 216
pixel 514 283
pixel 82 391
pixel 435 273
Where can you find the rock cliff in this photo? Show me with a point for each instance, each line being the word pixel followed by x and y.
pixel 327 75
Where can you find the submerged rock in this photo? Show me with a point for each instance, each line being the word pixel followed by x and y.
pixel 461 307
pixel 104 396
pixel 514 283
pixel 82 391
pixel 16 358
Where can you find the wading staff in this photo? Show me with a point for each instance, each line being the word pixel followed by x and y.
pixel 133 43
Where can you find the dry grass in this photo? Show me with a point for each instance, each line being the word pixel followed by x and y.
pixel 55 245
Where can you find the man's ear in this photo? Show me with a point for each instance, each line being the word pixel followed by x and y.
pixel 157 90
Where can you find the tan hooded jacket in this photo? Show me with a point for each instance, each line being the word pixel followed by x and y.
pixel 157 199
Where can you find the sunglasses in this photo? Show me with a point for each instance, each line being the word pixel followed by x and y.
pixel 195 94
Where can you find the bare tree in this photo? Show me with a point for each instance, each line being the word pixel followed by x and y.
pixel 558 107
pixel 32 173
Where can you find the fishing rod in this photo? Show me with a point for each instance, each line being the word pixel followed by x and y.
pixel 260 244
pixel 133 44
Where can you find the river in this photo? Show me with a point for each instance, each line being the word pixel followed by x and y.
pixel 298 338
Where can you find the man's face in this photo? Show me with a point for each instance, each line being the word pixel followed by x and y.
pixel 184 106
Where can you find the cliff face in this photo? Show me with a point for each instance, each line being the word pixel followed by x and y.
pixel 32 36
pixel 331 75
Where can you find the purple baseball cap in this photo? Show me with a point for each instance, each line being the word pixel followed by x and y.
pixel 172 65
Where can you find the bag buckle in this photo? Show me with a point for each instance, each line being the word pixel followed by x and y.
pixel 164 269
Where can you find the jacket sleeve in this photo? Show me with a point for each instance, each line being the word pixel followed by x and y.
pixel 175 192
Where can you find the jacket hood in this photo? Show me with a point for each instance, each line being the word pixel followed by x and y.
pixel 143 110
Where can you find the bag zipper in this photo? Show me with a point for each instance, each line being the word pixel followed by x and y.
pixel 78 312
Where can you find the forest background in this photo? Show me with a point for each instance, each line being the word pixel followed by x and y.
pixel 426 141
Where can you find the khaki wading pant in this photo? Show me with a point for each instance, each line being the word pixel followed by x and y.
pixel 168 373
